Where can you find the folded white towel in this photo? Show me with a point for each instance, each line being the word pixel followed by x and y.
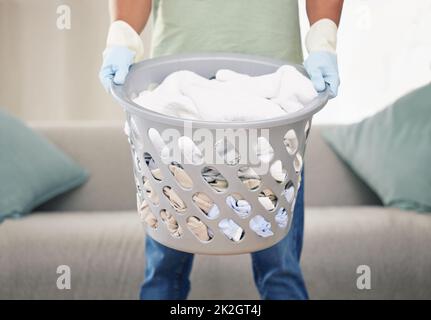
pixel 266 86
pixel 286 87
pixel 217 102
pixel 231 96
pixel 168 99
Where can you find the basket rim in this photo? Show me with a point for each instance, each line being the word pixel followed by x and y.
pixel 119 93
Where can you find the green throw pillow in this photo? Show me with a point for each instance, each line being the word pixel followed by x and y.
pixel 32 170
pixel 391 151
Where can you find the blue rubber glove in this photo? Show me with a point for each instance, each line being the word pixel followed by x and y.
pixel 116 64
pixel 322 67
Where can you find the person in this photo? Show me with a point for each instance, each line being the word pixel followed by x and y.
pixel 266 28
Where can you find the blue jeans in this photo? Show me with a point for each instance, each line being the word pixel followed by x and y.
pixel 277 273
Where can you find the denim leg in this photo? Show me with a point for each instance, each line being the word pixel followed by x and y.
pixel 277 272
pixel 167 272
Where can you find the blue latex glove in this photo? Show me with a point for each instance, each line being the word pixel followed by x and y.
pixel 322 68
pixel 116 64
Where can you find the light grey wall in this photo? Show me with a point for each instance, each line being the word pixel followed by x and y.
pixel 51 74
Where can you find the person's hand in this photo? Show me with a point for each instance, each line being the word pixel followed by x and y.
pixel 322 68
pixel 123 48
pixel 321 63
pixel 116 64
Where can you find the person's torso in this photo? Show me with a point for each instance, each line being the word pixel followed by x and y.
pixel 262 27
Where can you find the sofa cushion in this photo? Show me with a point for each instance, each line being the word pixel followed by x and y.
pixel 32 170
pixel 391 150
pixel 393 243
pixel 105 253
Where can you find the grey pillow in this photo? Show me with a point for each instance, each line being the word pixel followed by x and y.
pixel 391 151
pixel 32 170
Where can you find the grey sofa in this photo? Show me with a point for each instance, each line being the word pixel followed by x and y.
pixel 96 232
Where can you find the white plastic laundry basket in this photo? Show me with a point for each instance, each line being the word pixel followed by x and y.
pixel 286 135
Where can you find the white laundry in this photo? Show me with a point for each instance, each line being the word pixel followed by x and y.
pixel 230 96
pixel 262 227
pixel 291 141
pixel 199 229
pixel 159 144
pixel 289 192
pixel 232 230
pixel 207 206
pixel 217 102
pixel 215 179
pixel 213 212
pixel 155 171
pixel 168 99
pixel 287 86
pixel 282 218
pixel 277 171
pixel 264 150
pixel 193 155
pixel 266 202
pixel 295 90
pixel 191 152
pixel 266 86
pixel 227 152
pixel 267 199
pixel 249 177
pixel 240 206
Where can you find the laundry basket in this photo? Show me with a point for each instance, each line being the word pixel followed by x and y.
pixel 158 141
